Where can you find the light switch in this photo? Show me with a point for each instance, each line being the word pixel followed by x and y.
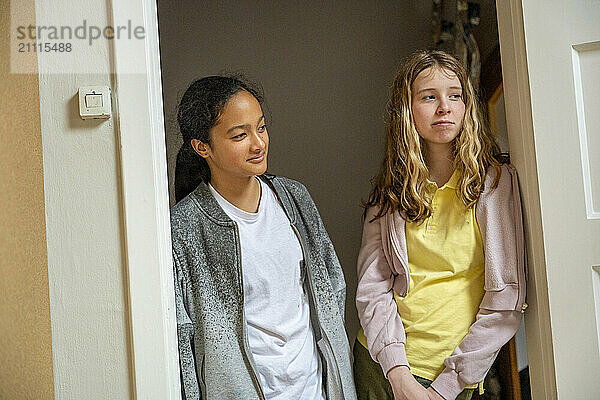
pixel 94 102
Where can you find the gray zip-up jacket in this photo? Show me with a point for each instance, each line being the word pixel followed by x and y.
pixel 214 356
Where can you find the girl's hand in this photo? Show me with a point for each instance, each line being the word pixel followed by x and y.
pixel 405 386
pixel 433 395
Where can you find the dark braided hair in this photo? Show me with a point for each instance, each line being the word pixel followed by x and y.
pixel 198 112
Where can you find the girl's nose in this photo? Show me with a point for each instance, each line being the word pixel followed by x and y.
pixel 258 143
pixel 443 108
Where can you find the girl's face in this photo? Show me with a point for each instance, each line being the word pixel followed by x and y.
pixel 239 141
pixel 438 108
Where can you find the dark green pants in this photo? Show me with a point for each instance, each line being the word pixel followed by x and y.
pixel 371 384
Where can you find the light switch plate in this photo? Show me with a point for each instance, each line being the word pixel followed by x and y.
pixel 94 102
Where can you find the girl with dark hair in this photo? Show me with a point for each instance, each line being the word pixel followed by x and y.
pixel 441 281
pixel 259 290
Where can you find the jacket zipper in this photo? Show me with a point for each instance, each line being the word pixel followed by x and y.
pixel 245 322
pixel 312 293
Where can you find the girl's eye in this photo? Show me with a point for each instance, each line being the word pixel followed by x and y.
pixel 240 136
pixel 262 128
pixel 429 97
pixel 456 96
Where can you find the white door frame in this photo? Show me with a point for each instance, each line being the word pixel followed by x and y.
pixel 519 120
pixel 147 239
pixel 147 230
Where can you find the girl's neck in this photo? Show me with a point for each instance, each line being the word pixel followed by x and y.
pixel 244 193
pixel 440 162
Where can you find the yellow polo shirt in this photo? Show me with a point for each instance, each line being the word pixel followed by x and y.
pixel 446 261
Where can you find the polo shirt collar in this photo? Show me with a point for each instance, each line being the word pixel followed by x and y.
pixel 452 182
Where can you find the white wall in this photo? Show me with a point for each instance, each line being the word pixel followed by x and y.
pixel 82 193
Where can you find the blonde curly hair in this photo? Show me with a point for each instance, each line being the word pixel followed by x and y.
pixel 401 182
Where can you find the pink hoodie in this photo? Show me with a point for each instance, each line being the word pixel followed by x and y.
pixel 383 267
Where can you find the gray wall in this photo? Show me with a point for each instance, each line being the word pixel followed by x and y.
pixel 325 70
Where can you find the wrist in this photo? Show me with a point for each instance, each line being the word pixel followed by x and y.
pixel 399 370
pixel 398 376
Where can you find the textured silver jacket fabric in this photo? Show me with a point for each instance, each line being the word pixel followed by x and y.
pixel 215 360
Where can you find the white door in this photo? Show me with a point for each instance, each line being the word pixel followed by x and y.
pixel 551 61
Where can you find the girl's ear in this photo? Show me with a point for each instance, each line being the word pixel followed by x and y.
pixel 203 149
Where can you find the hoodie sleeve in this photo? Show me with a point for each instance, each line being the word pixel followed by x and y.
pixel 185 334
pixel 377 309
pixel 472 359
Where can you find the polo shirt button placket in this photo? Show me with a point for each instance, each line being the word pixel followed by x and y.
pixel 431 227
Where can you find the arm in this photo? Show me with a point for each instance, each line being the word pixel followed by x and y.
pixel 378 314
pixel 377 310
pixel 334 269
pixel 471 360
pixel 185 333
pixel 330 259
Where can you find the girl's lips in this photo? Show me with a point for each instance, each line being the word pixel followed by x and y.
pixel 443 123
pixel 258 159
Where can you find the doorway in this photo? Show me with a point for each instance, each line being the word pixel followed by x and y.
pixel 325 71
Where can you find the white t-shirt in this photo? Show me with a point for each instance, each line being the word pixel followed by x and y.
pixel 276 308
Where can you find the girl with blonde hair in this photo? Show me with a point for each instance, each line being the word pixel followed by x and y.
pixel 441 281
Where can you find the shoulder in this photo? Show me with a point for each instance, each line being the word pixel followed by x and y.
pixel 295 197
pixel 291 184
pixel 507 173
pixel 295 188
pixel 371 213
pixel 503 186
pixel 182 208
pixel 183 213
